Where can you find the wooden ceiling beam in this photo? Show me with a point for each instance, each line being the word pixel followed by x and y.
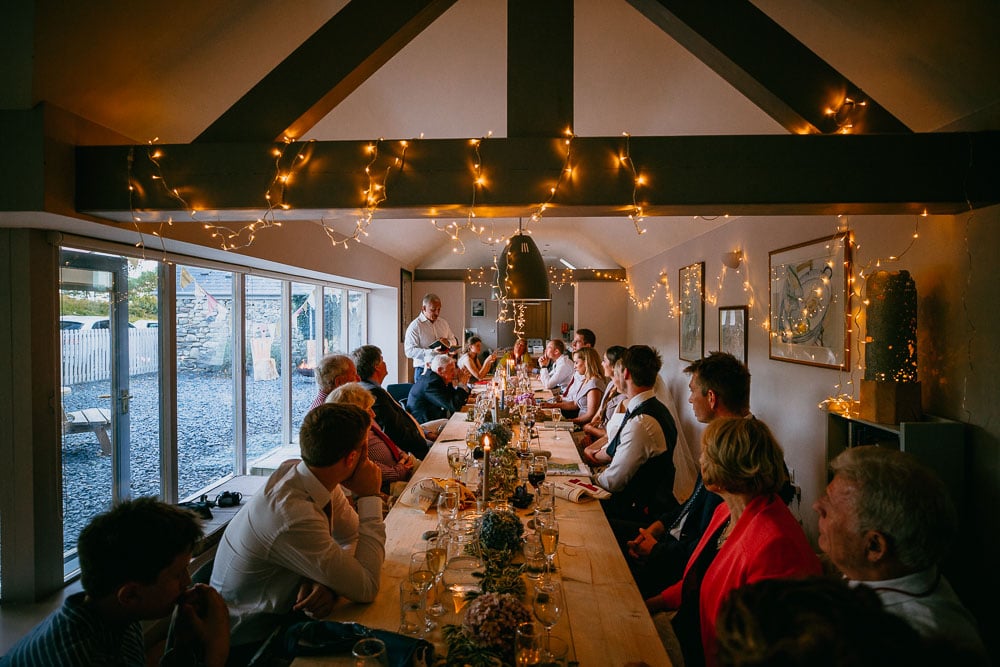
pixel 769 66
pixel 539 67
pixel 324 70
pixel 697 175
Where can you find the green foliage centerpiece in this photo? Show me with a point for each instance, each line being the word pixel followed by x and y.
pixel 503 460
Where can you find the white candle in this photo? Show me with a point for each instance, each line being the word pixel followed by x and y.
pixel 486 469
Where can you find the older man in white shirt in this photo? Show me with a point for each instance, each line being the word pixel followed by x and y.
pixel 426 330
pixel 556 366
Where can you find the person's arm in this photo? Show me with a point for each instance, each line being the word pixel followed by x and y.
pixel 634 449
pixel 380 455
pixel 199 634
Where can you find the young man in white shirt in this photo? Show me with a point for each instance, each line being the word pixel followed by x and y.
pixel 287 550
pixel 556 366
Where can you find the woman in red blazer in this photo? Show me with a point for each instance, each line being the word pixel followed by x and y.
pixel 752 535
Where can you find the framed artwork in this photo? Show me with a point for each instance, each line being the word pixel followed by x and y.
pixel 733 331
pixel 479 307
pixel 691 337
pixel 810 302
pixel 405 293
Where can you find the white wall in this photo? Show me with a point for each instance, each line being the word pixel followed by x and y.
pixel 602 308
pixel 953 263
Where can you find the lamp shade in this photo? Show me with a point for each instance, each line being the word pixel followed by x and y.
pixel 522 274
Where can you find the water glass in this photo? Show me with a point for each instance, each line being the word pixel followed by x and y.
pixel 555 652
pixel 546 496
pixel 411 608
pixel 527 644
pixel 370 652
pixel 534 558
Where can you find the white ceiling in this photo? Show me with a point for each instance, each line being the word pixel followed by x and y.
pixel 149 73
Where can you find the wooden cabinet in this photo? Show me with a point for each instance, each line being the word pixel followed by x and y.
pixel 938 443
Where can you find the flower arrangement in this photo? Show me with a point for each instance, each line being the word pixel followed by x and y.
pixel 500 531
pixel 500 538
pixel 500 434
pixel 527 398
pixel 486 636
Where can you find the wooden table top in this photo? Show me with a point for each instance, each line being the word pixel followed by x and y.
pixel 605 621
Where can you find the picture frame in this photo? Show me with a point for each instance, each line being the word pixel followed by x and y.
pixel 691 319
pixel 810 302
pixel 478 307
pixel 733 331
pixel 405 296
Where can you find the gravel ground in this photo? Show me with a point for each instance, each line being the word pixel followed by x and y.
pixel 205 436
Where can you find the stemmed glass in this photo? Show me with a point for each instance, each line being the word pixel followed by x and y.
pixel 456 461
pixel 548 607
pixel 447 506
pixel 536 471
pixel 556 418
pixel 437 557
pixel 422 577
pixel 548 532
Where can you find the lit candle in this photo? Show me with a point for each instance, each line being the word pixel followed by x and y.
pixel 486 469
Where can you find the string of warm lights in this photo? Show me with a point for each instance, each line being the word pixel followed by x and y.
pixel 644 303
pixel 453 229
pixel 625 159
pixel 843 112
pixel 565 173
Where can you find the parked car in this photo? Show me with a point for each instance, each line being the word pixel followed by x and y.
pixel 146 324
pixel 76 322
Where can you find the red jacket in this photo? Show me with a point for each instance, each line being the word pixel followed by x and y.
pixel 766 543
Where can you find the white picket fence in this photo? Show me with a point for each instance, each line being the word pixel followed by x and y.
pixel 86 354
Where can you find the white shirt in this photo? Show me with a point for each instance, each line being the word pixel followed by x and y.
pixel 641 439
pixel 927 602
pixel 562 371
pixel 283 536
pixel 419 336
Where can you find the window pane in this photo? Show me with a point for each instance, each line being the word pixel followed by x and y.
pixel 205 411
pixel 144 377
pixel 333 317
pixel 305 351
pixel 263 332
pixel 357 318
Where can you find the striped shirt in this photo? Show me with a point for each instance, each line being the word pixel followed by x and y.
pixel 77 636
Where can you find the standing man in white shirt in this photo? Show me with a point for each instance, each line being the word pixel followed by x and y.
pixel 299 544
pixel 556 366
pixel 428 329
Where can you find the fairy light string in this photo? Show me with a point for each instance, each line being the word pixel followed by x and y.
pixel 635 215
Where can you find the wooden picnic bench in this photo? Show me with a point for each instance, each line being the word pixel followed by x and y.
pixel 95 420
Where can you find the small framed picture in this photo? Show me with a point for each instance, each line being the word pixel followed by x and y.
pixel 733 331
pixel 479 307
pixel 692 312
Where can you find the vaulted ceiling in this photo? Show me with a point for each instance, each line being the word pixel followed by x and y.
pixel 725 104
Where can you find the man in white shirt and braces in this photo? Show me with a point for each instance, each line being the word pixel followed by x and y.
pixel 427 329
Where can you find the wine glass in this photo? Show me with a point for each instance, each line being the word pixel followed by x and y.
pixel 447 505
pixel 548 532
pixel 422 577
pixel 536 471
pixel 456 461
pixel 437 557
pixel 548 607
pixel 556 414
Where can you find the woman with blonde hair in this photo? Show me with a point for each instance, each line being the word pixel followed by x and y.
pixel 395 464
pixel 752 535
pixel 583 396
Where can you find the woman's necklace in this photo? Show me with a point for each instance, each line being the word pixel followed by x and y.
pixel 724 535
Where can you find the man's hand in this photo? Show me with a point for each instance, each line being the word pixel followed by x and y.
pixel 463 376
pixel 642 545
pixel 315 599
pixel 203 624
pixel 367 478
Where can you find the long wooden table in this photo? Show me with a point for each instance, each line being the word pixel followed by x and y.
pixel 605 621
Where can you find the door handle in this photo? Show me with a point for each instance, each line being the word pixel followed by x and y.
pixel 125 397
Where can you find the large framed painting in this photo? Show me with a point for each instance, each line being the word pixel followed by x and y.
pixel 733 331
pixel 691 302
pixel 810 302
pixel 405 293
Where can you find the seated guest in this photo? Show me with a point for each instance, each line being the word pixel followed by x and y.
pixel 658 554
pixel 391 417
pixel 556 367
pixel 640 474
pixel 596 427
pixel 470 359
pixel 886 522
pixel 439 393
pixel 588 386
pixel 752 535
pixel 583 338
pixel 395 464
pixel 519 354
pixel 134 567
pixel 333 370
pixel 813 622
pixel 299 544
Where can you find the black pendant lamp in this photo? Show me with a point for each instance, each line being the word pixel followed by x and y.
pixel 522 274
